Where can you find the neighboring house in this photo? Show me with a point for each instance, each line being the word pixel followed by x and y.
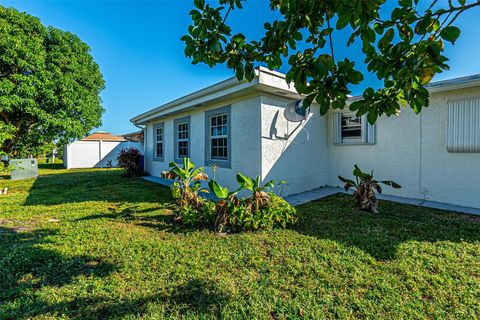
pixel 136 136
pixel 98 150
pixel 240 127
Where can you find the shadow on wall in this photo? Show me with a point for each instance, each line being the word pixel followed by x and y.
pixel 113 154
pixel 303 160
pixel 26 267
pixel 96 185
pixel 380 235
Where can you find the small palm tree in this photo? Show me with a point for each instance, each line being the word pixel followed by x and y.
pixel 365 186
pixel 187 187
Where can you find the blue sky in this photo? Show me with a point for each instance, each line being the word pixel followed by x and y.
pixel 138 48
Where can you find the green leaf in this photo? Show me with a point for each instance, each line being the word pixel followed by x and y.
pixel 386 39
pixel 450 33
pixel 324 108
pixel 354 106
pixel 344 180
pixel 239 71
pixel 378 28
pixel 391 184
pixel 200 4
pixel 215 46
pixel 188 165
pixel 372 116
pixel 245 182
pixel 309 99
pixel 219 191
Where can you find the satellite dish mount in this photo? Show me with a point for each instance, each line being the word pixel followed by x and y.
pixel 295 112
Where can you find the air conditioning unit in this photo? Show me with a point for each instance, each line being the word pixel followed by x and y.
pixel 24 169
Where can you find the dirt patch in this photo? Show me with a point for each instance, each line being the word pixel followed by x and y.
pixel 16 226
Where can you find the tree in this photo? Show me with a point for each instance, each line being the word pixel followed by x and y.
pixel 49 84
pixel 402 48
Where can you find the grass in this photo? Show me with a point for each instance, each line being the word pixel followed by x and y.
pixel 89 244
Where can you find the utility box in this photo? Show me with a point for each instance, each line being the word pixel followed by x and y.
pixel 24 169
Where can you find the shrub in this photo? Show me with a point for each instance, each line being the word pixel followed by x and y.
pixel 365 187
pixel 261 210
pixel 278 213
pixel 131 160
pixel 192 208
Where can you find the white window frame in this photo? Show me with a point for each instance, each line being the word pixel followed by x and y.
pixel 367 131
pixel 177 123
pixel 156 142
pixel 219 112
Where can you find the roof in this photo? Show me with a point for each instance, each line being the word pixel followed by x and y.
pixel 455 83
pixel 103 136
pixel 265 80
pixel 131 133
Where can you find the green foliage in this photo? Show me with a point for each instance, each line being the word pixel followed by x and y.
pixel 49 84
pixel 131 160
pixel 278 213
pixel 402 47
pixel 89 244
pixel 192 208
pixel 365 186
pixel 261 210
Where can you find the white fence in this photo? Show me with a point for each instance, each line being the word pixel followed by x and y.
pixel 95 154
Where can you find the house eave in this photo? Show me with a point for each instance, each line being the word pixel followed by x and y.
pixel 443 85
pixel 265 81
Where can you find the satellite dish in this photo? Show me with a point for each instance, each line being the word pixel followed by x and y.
pixel 295 112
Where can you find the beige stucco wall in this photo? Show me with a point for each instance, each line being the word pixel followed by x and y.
pixel 245 142
pixel 302 158
pixel 412 150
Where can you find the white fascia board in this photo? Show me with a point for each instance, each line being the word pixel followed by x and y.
pixel 265 80
pixel 444 85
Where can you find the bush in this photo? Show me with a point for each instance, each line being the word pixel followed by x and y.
pixel 191 207
pixel 263 209
pixel 131 160
pixel 204 214
pixel 277 213
pixel 365 186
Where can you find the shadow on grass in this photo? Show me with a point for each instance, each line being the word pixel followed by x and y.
pixel 147 217
pixel 197 298
pixel 380 234
pixel 51 166
pixel 25 267
pixel 93 185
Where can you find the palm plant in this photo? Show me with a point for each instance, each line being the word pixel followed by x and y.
pixel 259 197
pixel 188 186
pixel 227 199
pixel 365 186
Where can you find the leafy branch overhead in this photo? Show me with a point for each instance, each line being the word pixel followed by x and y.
pixel 403 48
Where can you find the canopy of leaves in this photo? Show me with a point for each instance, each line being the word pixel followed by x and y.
pixel 404 48
pixel 49 84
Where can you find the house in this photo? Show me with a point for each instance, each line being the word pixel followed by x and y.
pixel 136 136
pixel 98 150
pixel 241 127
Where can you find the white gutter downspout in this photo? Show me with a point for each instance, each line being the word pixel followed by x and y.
pixel 144 129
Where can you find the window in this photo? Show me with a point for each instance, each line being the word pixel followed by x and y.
pixel 463 133
pixel 350 129
pixel 159 138
pixel 182 138
pixel 218 137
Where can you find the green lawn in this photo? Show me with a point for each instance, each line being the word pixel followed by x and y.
pixel 88 244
